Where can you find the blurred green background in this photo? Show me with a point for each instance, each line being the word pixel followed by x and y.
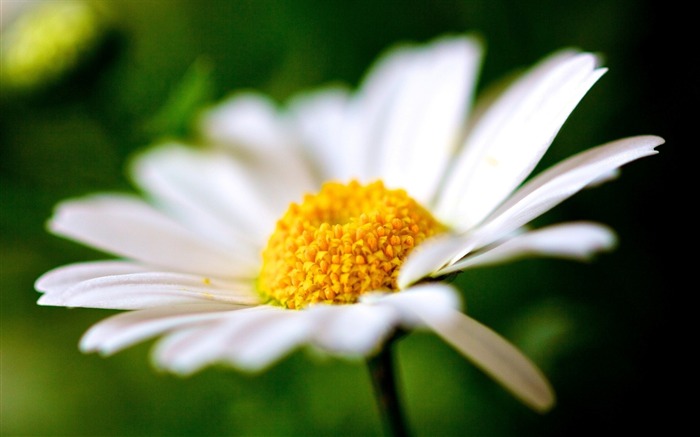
pixel 602 331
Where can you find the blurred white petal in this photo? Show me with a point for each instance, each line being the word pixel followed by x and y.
pixel 268 339
pixel 558 183
pixel 512 135
pixel 251 127
pixel 353 330
pixel 225 206
pixel 533 199
pixel 422 118
pixel 320 120
pixel 246 341
pixel 438 298
pixel 428 257
pixel 126 329
pixel 145 290
pixel 435 306
pixel 492 354
pixel 368 109
pixel 64 277
pixel 246 119
pixel 602 179
pixel 577 241
pixel 128 227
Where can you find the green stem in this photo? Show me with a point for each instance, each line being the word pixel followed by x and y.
pixel 381 369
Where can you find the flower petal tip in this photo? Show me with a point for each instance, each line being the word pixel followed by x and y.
pixel 651 141
pixel 40 285
pixel 51 300
pixel 545 404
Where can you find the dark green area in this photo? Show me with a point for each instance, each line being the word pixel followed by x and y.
pixel 602 332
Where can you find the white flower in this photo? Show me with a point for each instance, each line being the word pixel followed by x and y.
pixel 191 267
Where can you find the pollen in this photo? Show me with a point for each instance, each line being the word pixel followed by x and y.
pixel 346 240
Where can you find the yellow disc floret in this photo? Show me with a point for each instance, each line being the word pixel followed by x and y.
pixel 344 241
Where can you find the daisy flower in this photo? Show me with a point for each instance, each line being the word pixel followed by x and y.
pixel 329 223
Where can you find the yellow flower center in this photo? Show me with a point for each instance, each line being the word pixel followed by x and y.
pixel 344 241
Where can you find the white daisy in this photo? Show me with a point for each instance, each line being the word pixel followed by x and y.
pixel 237 248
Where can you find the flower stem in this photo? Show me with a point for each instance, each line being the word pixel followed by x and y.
pixel 381 369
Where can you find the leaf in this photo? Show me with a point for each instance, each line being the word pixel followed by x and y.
pixel 195 90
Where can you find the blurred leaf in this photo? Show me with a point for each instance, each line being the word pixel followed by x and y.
pixel 195 90
pixel 546 330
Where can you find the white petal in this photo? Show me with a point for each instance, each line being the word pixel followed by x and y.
pixel 128 227
pixel 267 339
pixel 428 257
pixel 368 109
pixel 559 183
pixel 145 290
pixel 512 135
pixel 209 191
pixel 246 119
pixel 425 81
pixel 187 350
pixel 438 298
pixel 249 340
pixel 488 351
pixel 602 179
pixel 64 277
pixel 351 330
pixel 533 199
pixel 577 241
pixel 126 329
pixel 422 117
pixel 250 126
pixel 320 120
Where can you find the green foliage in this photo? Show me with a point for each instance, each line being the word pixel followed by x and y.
pixel 178 113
